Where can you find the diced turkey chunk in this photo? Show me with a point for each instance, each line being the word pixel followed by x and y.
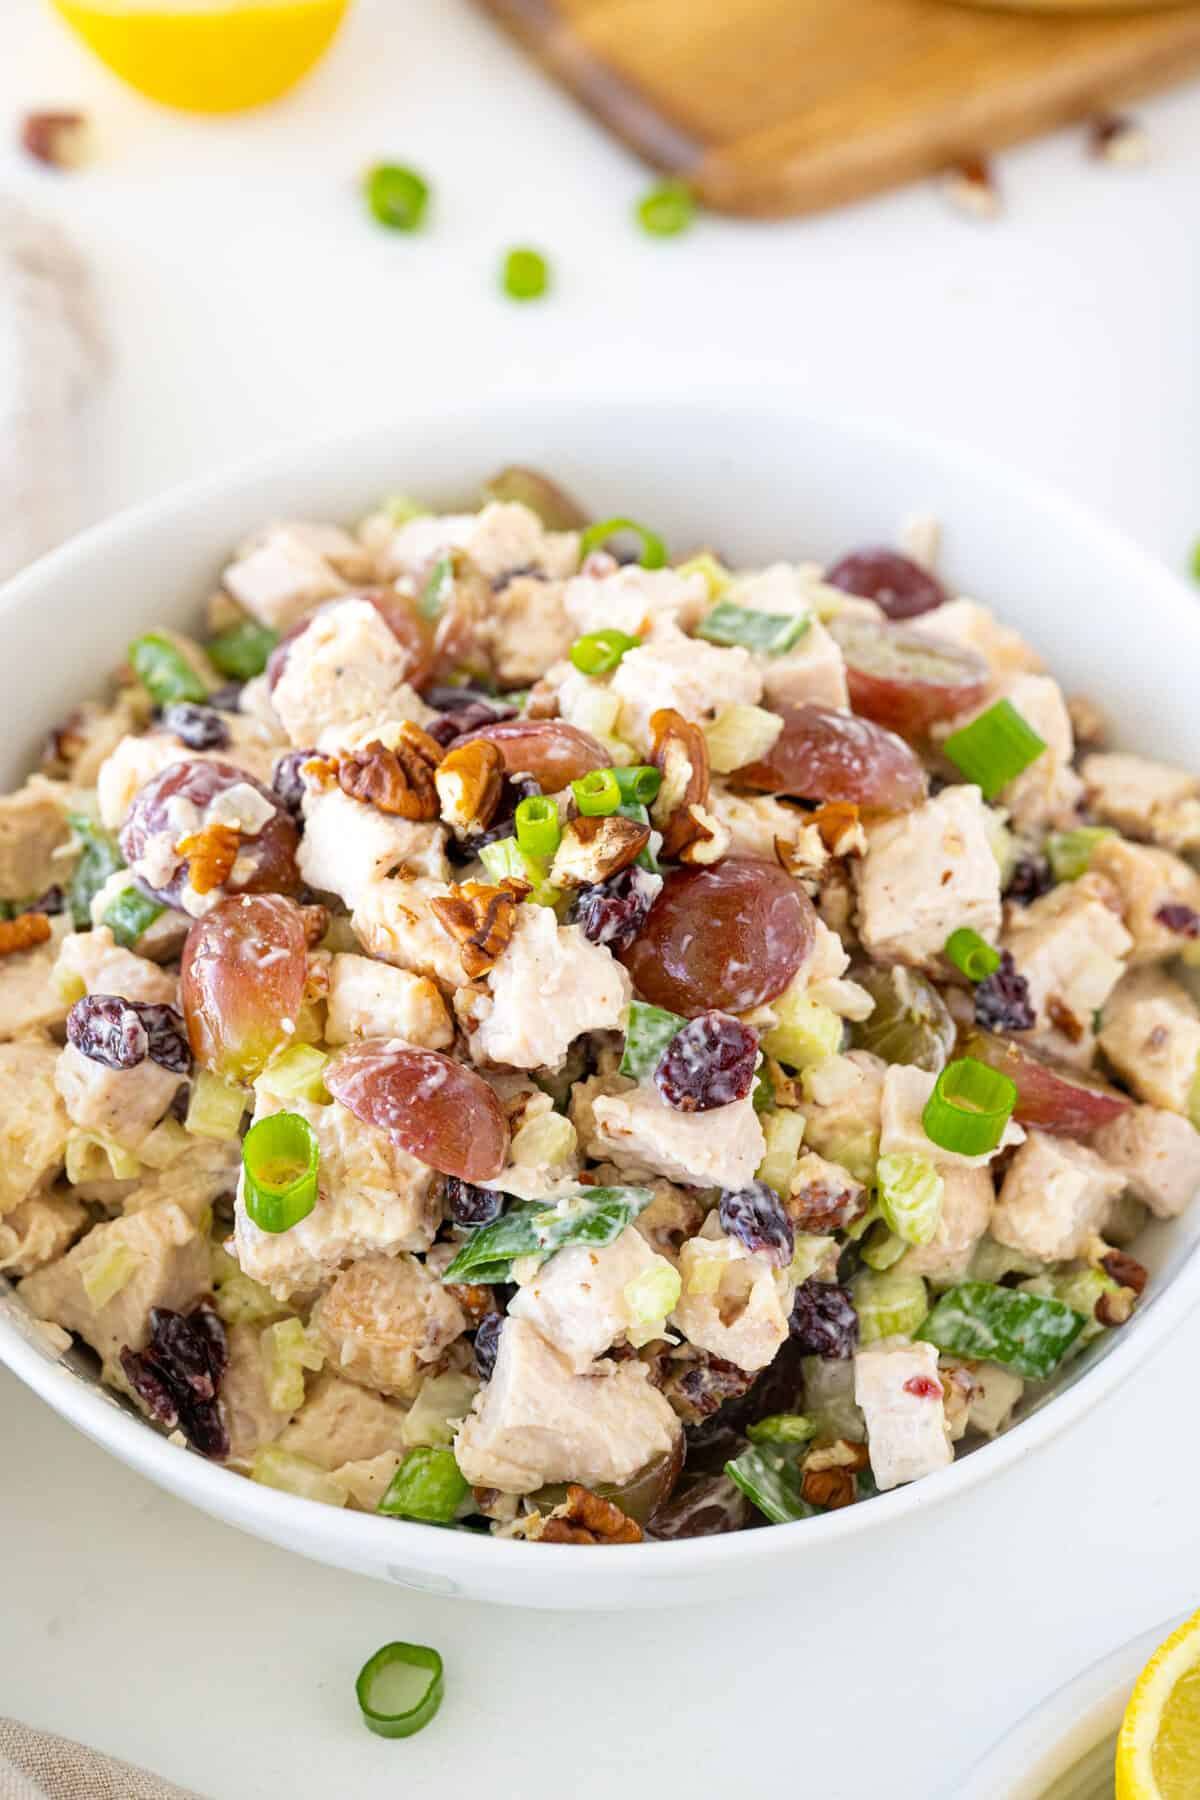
pixel 694 677
pixel 641 1134
pixel 734 1304
pixel 1069 946
pixel 812 671
pixel 341 1422
pixel 906 1092
pixel 1158 1153
pixel 975 627
pixel 120 1104
pixel 168 1266
pixel 29 999
pixel 926 874
pixel 549 985
pixel 348 844
pixel 537 1421
pixel 96 963
pixel 33 1120
pixel 285 570
pixel 1047 791
pixel 901 1395
pixel 33 828
pixel 1055 1195
pixel 372 999
pixel 641 602
pixel 347 666
pixel 39 1230
pixel 673 1216
pixel 577 1298
pixel 967 1199
pixel 386 1323
pixel 1147 880
pixel 394 922
pixel 1150 1033
pixel 1147 800
pixel 843 1104
pixel 204 1174
pixel 373 1197
pixel 250 1419
pixel 87 735
pixel 137 759
pixel 367 1480
pixel 502 539
pixel 526 630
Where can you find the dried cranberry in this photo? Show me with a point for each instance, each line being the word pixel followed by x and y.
pixel 178 1375
pixel 705 1508
pixel 896 583
pixel 487 1344
pixel 1002 1002
pixel 446 699
pixel 755 1216
pixel 1177 917
pixel 287 783
pixel 612 912
pixel 779 1388
pixel 463 709
pixel 120 1034
pixel 199 727
pixel 709 1063
pixel 1031 878
pixel 167 1036
pixel 824 1321
pixel 470 1205
pixel 51 902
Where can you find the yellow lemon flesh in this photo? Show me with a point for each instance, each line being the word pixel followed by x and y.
pixel 1158 1751
pixel 213 58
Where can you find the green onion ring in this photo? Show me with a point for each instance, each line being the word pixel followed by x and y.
pixel 641 783
pixel 280 1157
pixel 598 652
pixel 370 1680
pixel 970 953
pixel 597 794
pixel 969 1107
pixel 654 551
pixel 538 830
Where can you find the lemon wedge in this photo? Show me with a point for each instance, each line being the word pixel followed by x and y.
pixel 207 55
pixel 1158 1751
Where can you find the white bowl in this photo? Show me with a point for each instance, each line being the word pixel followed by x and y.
pixel 758 479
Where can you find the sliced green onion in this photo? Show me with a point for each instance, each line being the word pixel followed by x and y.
pixel 597 794
pixel 969 1107
pixel 770 633
pixel 164 671
pixel 437 588
pixel 396 197
pixel 994 748
pixel 241 652
pixel 598 652
pixel 1029 1333
pixel 399 1689
pixel 910 1197
pixel 770 1480
pixel 279 1161
pixel 538 830
pixel 593 1216
pixel 428 1485
pixel 99 859
pixel 782 1428
pixel 654 551
pixel 525 274
pixel 972 954
pixel 505 859
pixel 1070 852
pixel 667 209
pixel 649 1031
pixel 130 914
pixel 640 784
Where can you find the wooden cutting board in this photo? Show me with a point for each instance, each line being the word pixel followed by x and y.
pixel 771 107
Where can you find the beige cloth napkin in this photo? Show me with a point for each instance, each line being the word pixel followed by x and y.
pixel 36 1765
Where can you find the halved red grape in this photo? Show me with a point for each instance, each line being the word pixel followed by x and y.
pixel 242 982
pixel 558 510
pixel 728 937
pixel 911 1022
pixel 905 679
pixel 176 803
pixel 550 750
pixel 1050 1095
pixel 436 1109
pixel 826 755
pixel 894 582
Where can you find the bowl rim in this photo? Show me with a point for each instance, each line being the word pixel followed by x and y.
pixel 355 1537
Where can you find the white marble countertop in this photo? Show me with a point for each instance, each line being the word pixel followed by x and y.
pixel 249 302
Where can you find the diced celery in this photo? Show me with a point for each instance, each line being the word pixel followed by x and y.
pixel 784 1134
pixel 647 1034
pixel 441 1402
pixel 782 1428
pixel 1081 1290
pixel 650 1296
pixel 164 1145
pixel 829 1398
pixel 238 1299
pixel 807 1034
pixel 812 1254
pixel 713 570
pixel 740 735
pixel 505 859
pixel 428 1485
pixel 888 1303
pixel 991 1262
pixel 1070 852
pixel 296 1075
pixel 1029 1333
pixel 287 1350
pixel 910 1196
pixel 291 1474
pixel 90 1156
pixel 215 1108
pixel 106 1272
pixel 67 985
pixel 881 1248
pixel 770 634
pixel 706 1266
pixel 546 1142
pixel 400 508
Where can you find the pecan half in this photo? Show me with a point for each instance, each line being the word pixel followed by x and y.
pixel 23 932
pixel 593 849
pixel 1126 1271
pixel 481 919
pixel 397 780
pixel 830 1488
pixel 1115 1309
pixel 584 1518
pixel 822 1206
pixel 468 781
pixel 680 754
pixel 211 854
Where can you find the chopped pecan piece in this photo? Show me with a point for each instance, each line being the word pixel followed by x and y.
pixel 840 831
pixel 398 780
pixel 593 849
pixel 1115 1309
pixel 837 1453
pixel 584 1518
pixel 711 839
pixel 211 854
pixel 830 1488
pixel 542 702
pixel 468 781
pixel 822 1206
pixel 23 932
pixel 481 919
pixel 680 754
pixel 476 1300
pixel 1061 1016
pixel 58 139
pixel 1126 1271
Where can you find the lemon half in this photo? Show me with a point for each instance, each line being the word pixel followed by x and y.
pixel 1158 1751
pixel 215 57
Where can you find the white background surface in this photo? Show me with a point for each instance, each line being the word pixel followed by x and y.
pixel 249 302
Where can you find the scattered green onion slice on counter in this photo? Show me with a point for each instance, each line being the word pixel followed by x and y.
pixel 1070 852
pixel 667 209
pixel 437 588
pixel 597 794
pixel 397 1674
pixel 164 671
pixel 598 652
pixel 654 551
pixel 647 1034
pixel 639 784
pixel 279 1160
pixel 969 1107
pixel 396 196
pixel 525 274
pixel 242 650
pixel 770 633
pixel 538 830
pixel 1029 1333
pixel 130 914
pixel 994 748
pixel 972 954
pixel 428 1485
